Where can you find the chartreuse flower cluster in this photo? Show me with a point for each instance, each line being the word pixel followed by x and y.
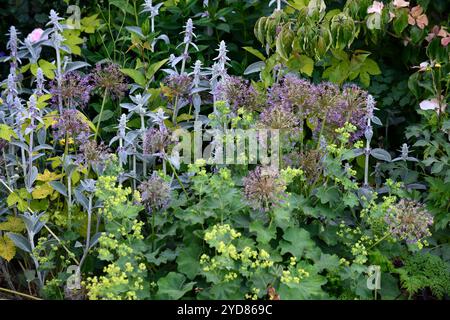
pixel 121 245
pixel 232 261
pixel 293 274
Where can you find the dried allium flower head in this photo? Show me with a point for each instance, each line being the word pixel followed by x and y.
pixel 156 141
pixel 75 89
pixel 93 154
pixel 155 193
pixel 264 188
pixel 278 117
pixel 309 161
pixel 70 124
pixel 109 77
pixel 409 220
pixel 177 85
pixel 238 92
pixel 350 107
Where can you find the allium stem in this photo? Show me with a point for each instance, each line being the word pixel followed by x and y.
pixel 101 114
pixel 144 161
pixel 88 232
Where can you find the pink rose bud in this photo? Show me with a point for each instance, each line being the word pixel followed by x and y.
pixel 35 35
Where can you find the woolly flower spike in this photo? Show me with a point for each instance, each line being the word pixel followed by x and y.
pixel 109 77
pixel 158 117
pixel 197 73
pixel 12 43
pixel 12 46
pixel 11 89
pixel 150 8
pixel 264 188
pixel 40 80
pixel 122 126
pixel 155 193
pixel 88 185
pixel 156 141
pixel 189 32
pixel 75 89
pixel 57 39
pixel 71 125
pixel 222 58
pixel 409 220
pixel 370 106
pixel 54 21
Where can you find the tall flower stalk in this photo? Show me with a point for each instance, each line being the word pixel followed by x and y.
pixel 57 39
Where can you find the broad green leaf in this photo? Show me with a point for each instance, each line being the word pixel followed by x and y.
pixel 296 241
pixel 173 286
pixel 136 75
pixel 6 132
pixel 188 260
pixel 7 248
pixel 255 52
pixel 263 233
pixel 12 224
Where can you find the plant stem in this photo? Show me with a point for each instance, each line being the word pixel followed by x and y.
pixel 19 294
pixel 101 114
pixel 88 233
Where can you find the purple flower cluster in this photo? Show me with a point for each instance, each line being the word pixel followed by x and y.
pixel 93 154
pixel 264 188
pixel 350 106
pixel 109 77
pixel 238 92
pixel 409 220
pixel 156 141
pixel 178 85
pixel 70 124
pixel 294 100
pixel 75 89
pixel 279 117
pixel 155 193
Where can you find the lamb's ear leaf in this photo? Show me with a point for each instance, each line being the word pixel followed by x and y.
pixel 20 241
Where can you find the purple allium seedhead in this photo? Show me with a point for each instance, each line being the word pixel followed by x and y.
pixel 238 92
pixel 156 141
pixel 155 193
pixel 178 85
pixel 409 220
pixel 292 92
pixel 264 188
pixel 109 77
pixel 93 154
pixel 278 117
pixel 71 125
pixel 75 90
